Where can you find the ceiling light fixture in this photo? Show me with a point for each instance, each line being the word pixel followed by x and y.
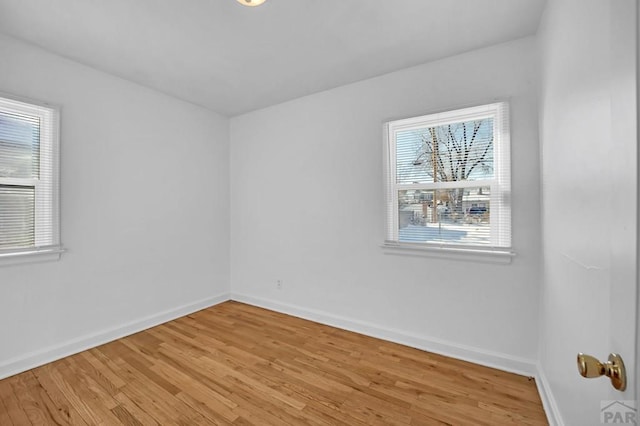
pixel 251 2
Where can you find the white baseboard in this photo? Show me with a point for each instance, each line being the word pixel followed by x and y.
pixel 548 401
pixel 491 359
pixel 71 347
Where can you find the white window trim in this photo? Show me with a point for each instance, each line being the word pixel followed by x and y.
pixel 18 257
pixel 46 212
pixel 467 253
pixel 498 251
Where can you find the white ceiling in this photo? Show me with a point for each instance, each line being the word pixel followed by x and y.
pixel 233 59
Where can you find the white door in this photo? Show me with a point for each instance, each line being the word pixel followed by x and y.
pixel 590 191
pixel 623 209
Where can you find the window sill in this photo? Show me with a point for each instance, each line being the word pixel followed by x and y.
pixel 473 254
pixel 48 254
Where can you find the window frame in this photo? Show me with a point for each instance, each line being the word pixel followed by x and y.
pixel 500 247
pixel 47 245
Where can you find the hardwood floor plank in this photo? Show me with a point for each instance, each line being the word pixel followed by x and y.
pixel 194 391
pixel 134 410
pixel 27 390
pixel 235 364
pixel 78 397
pixel 14 411
pixel 59 414
pixel 45 376
pixel 125 417
pixel 101 372
pixel 4 414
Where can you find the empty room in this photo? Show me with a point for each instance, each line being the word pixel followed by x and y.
pixel 323 212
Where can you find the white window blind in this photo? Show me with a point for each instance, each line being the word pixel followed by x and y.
pixel 448 179
pixel 29 205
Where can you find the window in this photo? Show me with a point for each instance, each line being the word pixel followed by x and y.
pixel 448 180
pixel 29 205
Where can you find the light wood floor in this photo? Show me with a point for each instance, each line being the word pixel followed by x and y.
pixel 238 364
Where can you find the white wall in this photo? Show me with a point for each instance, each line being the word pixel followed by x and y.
pixel 307 208
pixel 589 165
pixel 145 211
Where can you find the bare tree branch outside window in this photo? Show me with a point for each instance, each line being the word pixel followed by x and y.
pixel 455 152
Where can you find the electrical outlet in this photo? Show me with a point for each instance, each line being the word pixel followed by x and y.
pixel 279 284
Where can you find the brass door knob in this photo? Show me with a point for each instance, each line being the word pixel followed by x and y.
pixel 590 367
